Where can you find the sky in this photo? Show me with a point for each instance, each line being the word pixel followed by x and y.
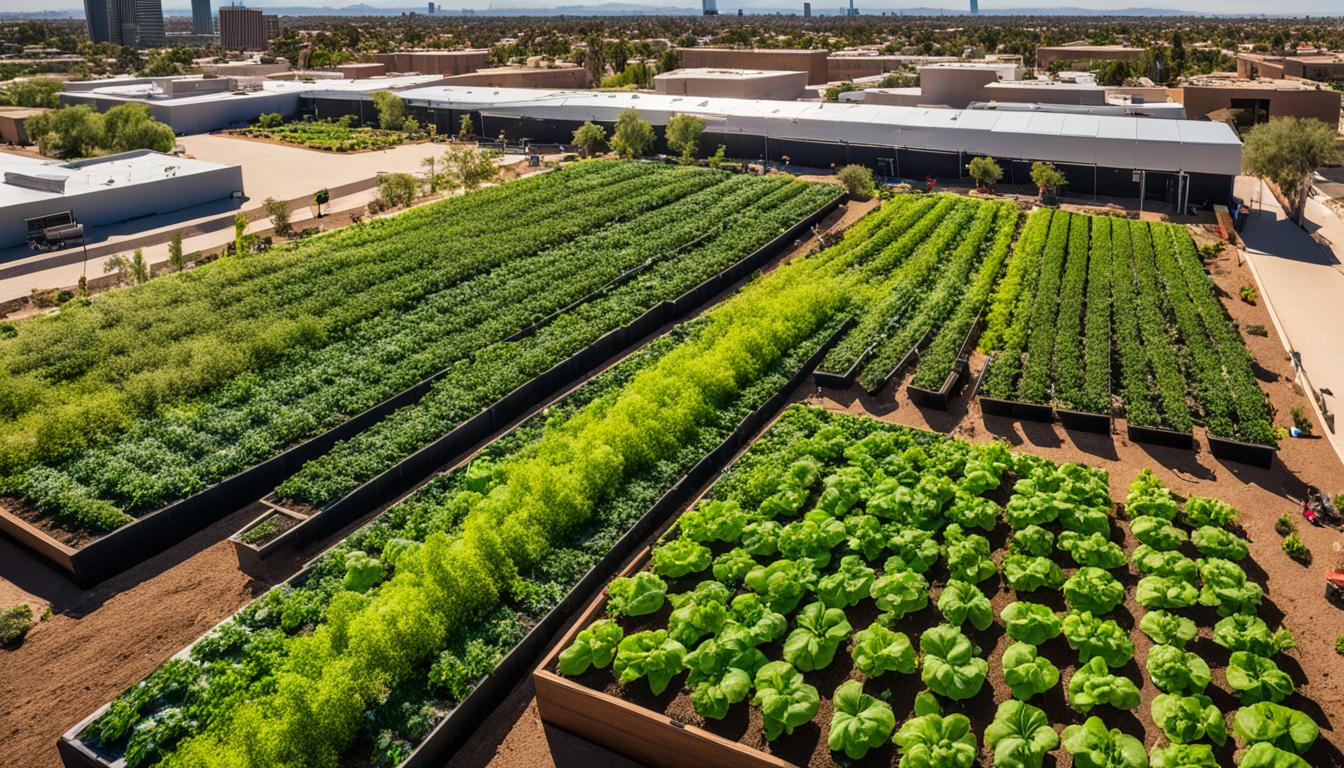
pixel 1291 7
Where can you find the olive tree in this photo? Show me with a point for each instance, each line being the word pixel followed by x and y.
pixel 985 171
pixel 858 181
pixel 391 110
pixel 633 135
pixel 1287 151
pixel 1047 178
pixel 590 139
pixel 683 135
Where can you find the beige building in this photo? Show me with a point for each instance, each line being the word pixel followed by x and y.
pixel 813 62
pixel 11 124
pixel 732 83
pixel 1248 102
pixel 254 68
pixel 361 69
pixel 434 62
pixel 841 67
pixel 1076 55
pixel 1321 67
pixel 524 77
pixel 958 85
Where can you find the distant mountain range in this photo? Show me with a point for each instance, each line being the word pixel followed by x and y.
pixel 505 8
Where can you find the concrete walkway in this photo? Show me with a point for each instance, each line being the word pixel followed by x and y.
pixel 1302 284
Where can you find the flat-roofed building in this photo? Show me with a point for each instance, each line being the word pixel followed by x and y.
pixel 361 69
pixel 1321 67
pixel 524 77
pixel 1249 102
pixel 958 85
pixel 813 62
pixel 1076 55
pixel 854 66
pixel 732 83
pixel 434 62
pixel 245 29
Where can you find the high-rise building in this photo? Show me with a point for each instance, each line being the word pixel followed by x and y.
pixel 431 9
pixel 202 20
pixel 136 23
pixel 975 7
pixel 807 10
pixel 710 7
pixel 246 29
pixel 95 13
pixel 149 24
pixel 852 10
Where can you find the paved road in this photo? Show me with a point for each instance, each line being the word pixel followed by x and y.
pixel 1302 283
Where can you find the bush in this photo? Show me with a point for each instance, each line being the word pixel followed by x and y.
pixel 1284 525
pixel 633 135
pixel 1296 549
pixel 985 171
pixel 278 211
pixel 683 135
pixel 270 120
pixel 1339 645
pixel 590 139
pixel 1255 329
pixel 858 181
pixel 1248 294
pixel 397 189
pixel 14 623
pixel 1301 420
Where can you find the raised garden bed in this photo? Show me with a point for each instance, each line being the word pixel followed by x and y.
pixel 1167 438
pixel 941 398
pixel 901 364
pixel 844 380
pixel 1261 456
pixel 451 447
pixel 1012 409
pixel 1084 422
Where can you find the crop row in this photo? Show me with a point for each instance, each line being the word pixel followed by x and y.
pixel 183 449
pixel 839 555
pixel 1178 358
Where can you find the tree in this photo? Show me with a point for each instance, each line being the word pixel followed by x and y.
pixel 320 199
pixel 391 110
pixel 1047 178
pixel 432 177
pixel 716 159
pixel 469 167
pixel 464 127
pixel 278 211
pixel 633 135
pixel 1114 72
pixel 594 58
pixel 34 92
pixel 858 181
pixel 590 139
pixel 133 270
pixel 175 261
pixel 985 171
pixel 683 135
pixel 68 133
pixel 1286 151
pixel 128 127
pixel 239 234
pixel 270 120
pixel 669 60
pixel 396 189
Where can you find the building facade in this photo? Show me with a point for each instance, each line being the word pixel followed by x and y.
pixel 1074 55
pixel 1250 102
pixel 732 83
pixel 1321 67
pixel 202 20
pixel 246 29
pixel 813 62
pixel 134 23
pixel 434 62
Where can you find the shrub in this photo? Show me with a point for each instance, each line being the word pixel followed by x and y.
pixel 396 189
pixel 14 623
pixel 1248 294
pixel 1296 549
pixel 1255 329
pixel 589 139
pixel 278 211
pixel 633 135
pixel 1301 420
pixel 270 120
pixel 858 181
pixel 985 171
pixel 683 135
pixel 1285 525
pixel 1339 645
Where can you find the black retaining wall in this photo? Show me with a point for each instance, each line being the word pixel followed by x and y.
pixel 1261 456
pixel 1166 438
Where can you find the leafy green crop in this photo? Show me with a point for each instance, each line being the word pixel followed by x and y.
pixel 1168 564
pixel 1033 540
pixel 967 555
pixel 763 624
pixel 721 671
pixel 847 585
pixel 878 650
pixel 679 557
pixel 961 602
pixel 820 631
pixel 1227 588
pixel 1095 638
pixel 1093 550
pixel 1183 756
pixel 1030 622
pixel 786 701
pixel 1265 755
pixel 952 665
pixel 1159 592
pixel 1243 632
pixel 1020 735
pixel 1093 685
pixel 1284 727
pixel 900 593
pixel 859 722
pixel 1028 574
pixel 1200 511
pixel 1094 590
pixel 781 584
pixel 915 550
pixel 1258 678
pixel 1174 670
pixel 653 655
pixel 1219 542
pixel 594 646
pixel 1168 628
pixel 732 566
pixel 1186 719
pixel 1026 672
pixel 637 595
pixel 362 571
pixel 1093 745
pixel 932 740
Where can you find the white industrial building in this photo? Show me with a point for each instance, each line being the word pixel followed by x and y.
pixel 107 190
pixel 1176 161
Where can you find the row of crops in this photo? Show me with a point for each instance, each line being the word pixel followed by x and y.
pixel 1096 306
pixel 123 404
pixel 394 625
pixel 927 270
pixel 331 135
pixel 841 576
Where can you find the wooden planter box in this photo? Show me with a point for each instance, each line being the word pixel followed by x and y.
pixel 1167 438
pixel 909 358
pixel 941 398
pixel 843 380
pixel 1261 456
pixel 1082 421
pixel 648 737
pixel 455 444
pixel 1011 409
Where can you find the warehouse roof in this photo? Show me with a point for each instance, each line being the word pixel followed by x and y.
pixel 26 179
pixel 1108 141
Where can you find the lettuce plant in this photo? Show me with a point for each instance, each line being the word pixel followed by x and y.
pixel 820 630
pixel 680 557
pixel 786 702
pixel 693 620
pixel 1174 670
pixel 362 571
pixel 1148 496
pixel 762 624
pixel 1027 574
pixel 867 536
pixel 900 593
pixel 1284 727
pixel 1157 533
pixel 961 602
pixel 1264 755
pixel 594 646
pixel 840 491
pixel 914 550
pixel 1032 540
pixel 1093 685
pixel 1020 735
pixel 707 591
pixel 967 555
pixel 973 512
pixel 1168 628
pixel 1186 719
pixel 1030 622
pixel 1094 550
pixel 761 538
pixel 1026 672
pixel 732 566
pixel 1183 756
pixel 1093 745
pixel 1226 587
pixel 781 584
pixel 714 521
pixel 1220 542
pixel 637 595
pixel 1200 511
pixel 932 740
pixel 653 655
pixel 721 671
pixel 1243 632
pixel 952 665
pixel 1095 638
pixel 1093 589
pixel 859 722
pixel 1258 678
pixel 1160 592
pixel 712 698
pixel 1169 564
pixel 878 650
pixel 811 539
pixel 847 585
